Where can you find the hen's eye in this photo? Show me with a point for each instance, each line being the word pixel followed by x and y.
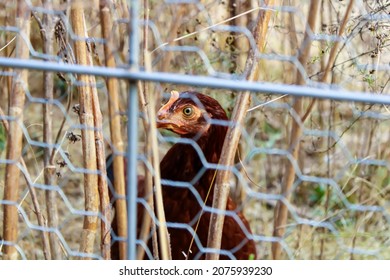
pixel 188 111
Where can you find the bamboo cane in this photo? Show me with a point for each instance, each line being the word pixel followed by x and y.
pixel 115 129
pixel 88 135
pixel 15 135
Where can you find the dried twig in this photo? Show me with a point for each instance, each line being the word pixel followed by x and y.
pixel 123 11
pixel 210 27
pixel 49 169
pixel 332 57
pixel 67 55
pixel 179 12
pixel 221 190
pixel 296 129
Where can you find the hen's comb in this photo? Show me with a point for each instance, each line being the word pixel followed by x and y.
pixel 174 96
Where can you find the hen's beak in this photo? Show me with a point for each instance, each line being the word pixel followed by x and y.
pixel 162 121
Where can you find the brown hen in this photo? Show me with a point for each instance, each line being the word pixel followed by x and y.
pixel 188 183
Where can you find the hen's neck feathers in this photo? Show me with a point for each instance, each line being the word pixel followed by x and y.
pixel 211 141
pixel 182 162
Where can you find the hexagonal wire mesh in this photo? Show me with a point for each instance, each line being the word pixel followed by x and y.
pixel 338 203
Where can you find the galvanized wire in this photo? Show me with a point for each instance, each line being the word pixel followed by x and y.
pixel 355 104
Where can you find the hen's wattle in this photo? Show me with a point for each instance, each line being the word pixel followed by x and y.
pixel 188 171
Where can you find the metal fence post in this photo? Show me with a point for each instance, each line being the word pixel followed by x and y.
pixel 132 133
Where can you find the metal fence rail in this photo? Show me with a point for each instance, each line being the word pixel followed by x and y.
pixel 339 202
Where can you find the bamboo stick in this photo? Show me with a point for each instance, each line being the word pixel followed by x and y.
pixel 115 129
pixel 9 51
pixel 88 135
pixel 34 198
pixel 15 135
pixel 105 206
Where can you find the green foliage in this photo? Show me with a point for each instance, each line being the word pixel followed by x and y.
pixel 274 134
pixel 317 195
pixel 369 79
pixel 60 85
pixel 3 138
pixel 382 177
pixel 322 52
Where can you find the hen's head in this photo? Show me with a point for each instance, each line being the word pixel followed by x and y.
pixel 189 114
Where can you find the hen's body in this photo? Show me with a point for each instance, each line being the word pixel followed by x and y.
pixel 182 206
pixel 183 163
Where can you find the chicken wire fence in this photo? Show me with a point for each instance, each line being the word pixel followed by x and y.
pixel 338 204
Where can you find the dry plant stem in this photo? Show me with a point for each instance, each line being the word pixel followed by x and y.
pixel 115 129
pixel 88 135
pixel 163 235
pixel 164 242
pixel 221 190
pixel 332 56
pixel 321 103
pixel 146 219
pixel 34 198
pixel 38 212
pixel 150 114
pixel 15 136
pixel 281 211
pixel 105 206
pixel 59 132
pixel 365 153
pixel 324 78
pixel 10 21
pixel 49 168
pixel 123 28
pixel 147 223
pixel 64 48
pixel 176 22
pixel 292 46
pixel 240 43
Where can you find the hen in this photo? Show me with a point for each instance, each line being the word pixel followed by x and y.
pixel 200 119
